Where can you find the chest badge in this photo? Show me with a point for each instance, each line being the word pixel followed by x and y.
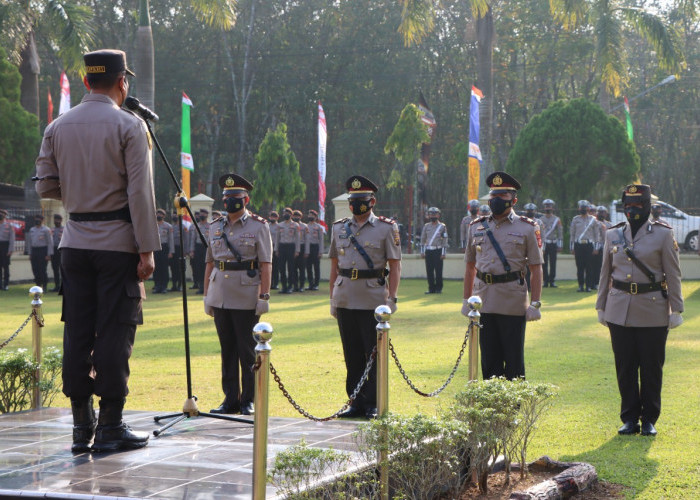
pixel 341 251
pixel 478 248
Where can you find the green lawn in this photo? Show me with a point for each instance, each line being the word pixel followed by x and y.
pixel 568 348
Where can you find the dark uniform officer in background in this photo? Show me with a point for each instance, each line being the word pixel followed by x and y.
pixel 499 249
pixel 361 248
pixel 473 207
pixel 584 242
pixel 313 249
pixel 237 289
pixel 300 259
pixel 639 300
pixel 200 252
pixel 553 237
pixel 433 248
pixel 274 226
pixel 39 245
pixel 97 159
pixel 163 256
pixel 288 247
pixel 7 246
pixel 176 250
pixel 56 234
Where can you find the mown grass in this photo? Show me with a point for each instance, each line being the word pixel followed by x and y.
pixel 567 348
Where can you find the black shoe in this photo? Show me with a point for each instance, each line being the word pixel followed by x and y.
pixel 285 291
pixel 588 289
pixel 648 429
pixel 352 412
pixel 370 413
pixel 428 292
pixel 274 288
pixel 247 409
pixel 175 289
pixel 54 289
pixel 84 423
pixel 225 409
pixel 545 285
pixel 112 432
pixel 552 285
pixel 200 292
pixel 580 289
pixel 594 287
pixel 629 428
pixel 194 287
pixel 298 290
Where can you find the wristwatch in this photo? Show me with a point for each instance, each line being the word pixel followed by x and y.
pixel 264 296
pixel 395 299
pixel 536 304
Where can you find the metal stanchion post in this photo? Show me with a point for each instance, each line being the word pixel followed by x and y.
pixel 37 324
pixel 474 331
pixel 383 314
pixel 262 332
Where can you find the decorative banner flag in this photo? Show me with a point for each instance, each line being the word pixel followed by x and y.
pixel 322 136
pixel 49 113
pixel 185 146
pixel 474 151
pixel 630 131
pixel 64 105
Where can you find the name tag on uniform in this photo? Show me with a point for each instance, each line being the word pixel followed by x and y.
pixel 247 235
pixel 478 234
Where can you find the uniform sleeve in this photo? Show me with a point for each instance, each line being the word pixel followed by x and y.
pixel 332 250
pixel 605 272
pixel 672 270
pixel 534 246
pixel 572 230
pixel 444 239
pixel 470 250
pixel 560 233
pixel 263 243
pixel 321 241
pixel 392 242
pixel 46 166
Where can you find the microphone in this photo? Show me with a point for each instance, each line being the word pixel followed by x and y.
pixel 135 105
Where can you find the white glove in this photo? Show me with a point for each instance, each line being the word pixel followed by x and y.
pixel 333 309
pixel 675 320
pixel 262 307
pixel 392 305
pixel 532 313
pixel 208 310
pixel 601 317
pixel 465 307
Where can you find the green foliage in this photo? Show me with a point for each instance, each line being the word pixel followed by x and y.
pixel 570 150
pixel 17 371
pixel 405 141
pixel 19 130
pixel 278 181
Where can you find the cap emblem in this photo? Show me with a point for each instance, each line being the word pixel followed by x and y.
pixel 356 184
pixel 497 181
pixel 633 189
pixel 230 182
pixel 95 69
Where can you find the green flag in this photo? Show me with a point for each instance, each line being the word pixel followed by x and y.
pixel 186 148
pixel 630 131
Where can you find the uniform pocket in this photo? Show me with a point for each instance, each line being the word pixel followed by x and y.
pixel 130 310
pixel 250 281
pixel 338 281
pixel 373 283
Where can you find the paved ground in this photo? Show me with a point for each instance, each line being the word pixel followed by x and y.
pixel 197 458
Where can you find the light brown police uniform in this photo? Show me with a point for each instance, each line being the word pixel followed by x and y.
pixel 655 246
pixel 379 236
pixel 520 241
pixel 165 232
pixel 439 241
pixel 314 236
pixel 464 229
pixel 40 237
pixel 552 230
pixel 582 232
pixel 288 232
pixel 250 236
pixel 274 227
pixel 7 235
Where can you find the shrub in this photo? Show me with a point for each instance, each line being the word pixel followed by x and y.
pixel 17 370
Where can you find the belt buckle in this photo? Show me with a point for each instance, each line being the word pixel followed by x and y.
pixel 354 274
pixel 222 265
pixel 489 278
pixel 633 288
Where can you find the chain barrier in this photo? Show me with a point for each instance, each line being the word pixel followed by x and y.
pixel 12 337
pixel 349 402
pixel 449 378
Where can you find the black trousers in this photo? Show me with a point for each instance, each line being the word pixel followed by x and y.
pixel 584 264
pixel 549 267
pixel 56 267
pixel 433 268
pixel 174 264
pixel 502 342
pixel 4 264
pixel 101 308
pixel 300 268
pixel 640 353
pixel 313 265
pixel 234 327
pixel 275 271
pixel 596 266
pixel 288 272
pixel 358 333
pixel 37 257
pixel 160 274
pixel 198 265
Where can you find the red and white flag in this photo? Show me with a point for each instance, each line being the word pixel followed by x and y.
pixel 49 109
pixel 65 95
pixel 322 135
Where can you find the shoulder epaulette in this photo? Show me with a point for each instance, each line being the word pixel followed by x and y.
pixel 479 219
pixel 385 219
pixel 342 221
pixel 661 223
pixel 258 218
pixel 619 224
pixel 527 219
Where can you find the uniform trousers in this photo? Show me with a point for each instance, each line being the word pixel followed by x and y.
pixel 288 272
pixel 313 265
pixel 4 264
pixel 174 263
pixel 358 334
pixel 56 267
pixel 39 265
pixel 639 360
pixel 275 281
pixel 300 268
pixel 549 267
pixel 433 268
pixel 101 308
pixel 234 327
pixel 584 264
pixel 502 342
pixel 198 265
pixel 160 274
pixel 596 266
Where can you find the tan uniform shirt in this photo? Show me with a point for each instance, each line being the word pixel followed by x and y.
pixel 57 233
pixel 196 240
pixel 655 246
pixel 274 226
pixel 552 230
pixel 165 232
pixel 379 237
pixel 584 229
pixel 185 233
pixel 7 233
pixel 250 236
pixel 102 155
pixel 314 236
pixel 39 237
pixel 520 240
pixel 288 232
pixel 463 229
pixel 303 237
pixel 434 236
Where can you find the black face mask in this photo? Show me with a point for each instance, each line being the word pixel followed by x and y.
pixel 159 218
pixel 583 211
pixel 530 214
pixel 548 210
pixel 312 219
pixel 359 207
pixel 433 219
pixel 601 217
pixel 273 221
pixel 296 219
pixel 634 214
pixel 656 213
pixel 286 216
pixel 499 205
pixel 37 222
pixel 233 205
pixel 474 212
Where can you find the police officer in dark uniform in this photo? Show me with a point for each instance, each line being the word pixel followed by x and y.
pixel 584 243
pixel 56 234
pixel 288 245
pixel 433 248
pixel 97 159
pixel 39 245
pixel 237 289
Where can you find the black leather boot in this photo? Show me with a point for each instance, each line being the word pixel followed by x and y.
pixel 112 432
pixel 84 423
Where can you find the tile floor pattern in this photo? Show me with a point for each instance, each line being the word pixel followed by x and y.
pixel 198 458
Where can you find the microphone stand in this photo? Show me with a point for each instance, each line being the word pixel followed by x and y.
pixel 189 408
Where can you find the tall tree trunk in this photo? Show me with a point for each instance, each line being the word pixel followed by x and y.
pixel 484 63
pixel 143 63
pixel 29 68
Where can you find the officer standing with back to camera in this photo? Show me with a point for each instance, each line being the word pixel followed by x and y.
pixel 639 300
pixel 314 249
pixel 553 236
pixel 56 234
pixel 473 207
pixel 362 246
pixel 272 221
pixel 162 257
pixel 97 159
pixel 433 245
pixel 7 246
pixel 237 289
pixel 39 246
pixel 288 247
pixel 499 249
pixel 584 243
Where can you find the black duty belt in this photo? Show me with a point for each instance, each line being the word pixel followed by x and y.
pixel 236 266
pixel 635 288
pixel 489 278
pixel 121 214
pixel 584 242
pixel 354 274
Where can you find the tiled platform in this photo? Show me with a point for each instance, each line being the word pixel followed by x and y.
pixel 198 458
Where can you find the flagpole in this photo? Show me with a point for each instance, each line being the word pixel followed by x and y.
pixel 668 79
